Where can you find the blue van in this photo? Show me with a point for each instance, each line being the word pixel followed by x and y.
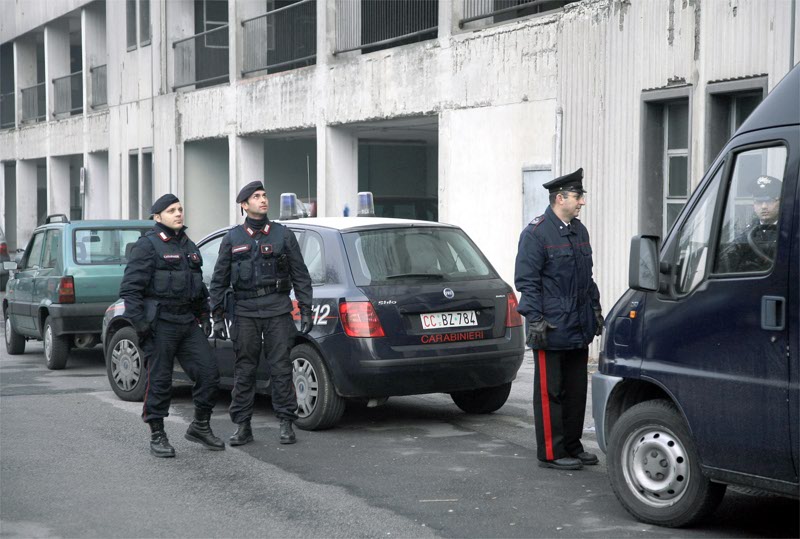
pixel 697 385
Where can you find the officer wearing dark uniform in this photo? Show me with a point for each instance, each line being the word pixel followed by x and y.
pixel 261 259
pixel 754 249
pixel 561 304
pixel 166 302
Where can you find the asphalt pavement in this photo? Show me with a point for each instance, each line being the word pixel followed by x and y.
pixel 74 462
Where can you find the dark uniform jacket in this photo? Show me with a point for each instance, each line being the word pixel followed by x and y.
pixel 554 274
pixel 262 266
pixel 164 279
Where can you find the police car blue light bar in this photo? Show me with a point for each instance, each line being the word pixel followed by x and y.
pixel 289 208
pixel 366 206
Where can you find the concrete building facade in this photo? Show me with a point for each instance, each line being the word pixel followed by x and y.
pixel 468 104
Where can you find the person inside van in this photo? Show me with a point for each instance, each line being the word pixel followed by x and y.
pixel 754 249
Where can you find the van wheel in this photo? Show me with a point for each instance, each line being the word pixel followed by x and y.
pixel 654 469
pixel 125 365
pixel 318 405
pixel 15 343
pixel 482 401
pixel 56 347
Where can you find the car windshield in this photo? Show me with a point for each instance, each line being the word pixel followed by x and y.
pixel 395 255
pixel 95 246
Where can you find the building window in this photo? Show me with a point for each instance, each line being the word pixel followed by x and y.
pixel 130 21
pixel 676 160
pixel 728 105
pixel 144 23
pixel 665 182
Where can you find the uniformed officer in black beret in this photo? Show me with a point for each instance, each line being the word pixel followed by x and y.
pixel 561 304
pixel 167 303
pixel 261 260
pixel 753 250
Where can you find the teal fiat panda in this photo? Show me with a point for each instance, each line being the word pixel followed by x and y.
pixel 699 368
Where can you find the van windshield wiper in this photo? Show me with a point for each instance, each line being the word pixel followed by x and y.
pixel 416 275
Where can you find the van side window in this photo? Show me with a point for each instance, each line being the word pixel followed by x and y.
pixel 34 257
pixel 52 250
pixel 313 256
pixel 694 238
pixel 749 235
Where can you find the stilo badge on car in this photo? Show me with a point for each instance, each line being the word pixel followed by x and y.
pixel 448 293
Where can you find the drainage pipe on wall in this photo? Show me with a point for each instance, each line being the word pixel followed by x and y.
pixel 557 142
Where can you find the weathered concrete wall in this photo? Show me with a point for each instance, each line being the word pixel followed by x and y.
pixel 20 16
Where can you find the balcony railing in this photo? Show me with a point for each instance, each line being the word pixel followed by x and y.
pixel 503 10
pixel 99 92
pixel 33 103
pixel 68 94
pixel 377 24
pixel 284 38
pixel 7 110
pixel 202 59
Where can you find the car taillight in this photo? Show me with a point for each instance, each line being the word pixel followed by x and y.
pixel 3 248
pixel 359 319
pixel 513 318
pixel 66 290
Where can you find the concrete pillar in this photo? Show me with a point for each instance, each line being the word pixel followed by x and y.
pixel 56 58
pixel 450 13
pixel 24 71
pixel 27 182
pixel 10 205
pixel 246 156
pixel 96 202
pixel 4 197
pixel 93 41
pixel 238 11
pixel 58 185
pixel 337 171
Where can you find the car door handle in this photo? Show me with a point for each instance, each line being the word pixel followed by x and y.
pixel 773 313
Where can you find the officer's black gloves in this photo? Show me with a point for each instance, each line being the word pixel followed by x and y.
pixel 143 331
pixel 537 333
pixel 306 322
pixel 220 330
pixel 598 315
pixel 205 324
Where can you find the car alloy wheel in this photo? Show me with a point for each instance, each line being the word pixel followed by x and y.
pixel 306 386
pixel 126 365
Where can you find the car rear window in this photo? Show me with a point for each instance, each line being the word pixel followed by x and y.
pixel 96 246
pixel 397 255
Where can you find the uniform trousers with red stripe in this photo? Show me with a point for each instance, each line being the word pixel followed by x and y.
pixel 559 401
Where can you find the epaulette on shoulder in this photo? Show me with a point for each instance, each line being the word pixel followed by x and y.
pixel 536 222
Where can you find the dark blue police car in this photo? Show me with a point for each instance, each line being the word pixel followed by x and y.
pixel 401 307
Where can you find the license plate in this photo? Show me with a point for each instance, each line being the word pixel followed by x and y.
pixel 455 319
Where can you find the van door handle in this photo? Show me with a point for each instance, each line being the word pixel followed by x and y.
pixel 773 313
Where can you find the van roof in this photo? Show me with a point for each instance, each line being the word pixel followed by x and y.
pixel 781 107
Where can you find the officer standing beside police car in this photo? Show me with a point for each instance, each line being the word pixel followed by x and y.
pixel 261 260
pixel 561 304
pixel 167 302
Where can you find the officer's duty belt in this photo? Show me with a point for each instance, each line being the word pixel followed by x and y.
pixel 176 309
pixel 263 291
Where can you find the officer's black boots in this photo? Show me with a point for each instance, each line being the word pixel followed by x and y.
pixel 159 445
pixel 287 434
pixel 243 434
pixel 200 432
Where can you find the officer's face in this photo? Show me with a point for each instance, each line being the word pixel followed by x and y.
pixel 571 204
pixel 767 209
pixel 257 204
pixel 171 217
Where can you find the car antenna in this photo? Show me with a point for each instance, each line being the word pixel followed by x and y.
pixel 308 181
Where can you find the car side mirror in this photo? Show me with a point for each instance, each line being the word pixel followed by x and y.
pixel 643 268
pixel 9 266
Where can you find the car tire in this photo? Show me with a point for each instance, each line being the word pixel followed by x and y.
pixel 318 405
pixel 654 468
pixel 482 401
pixel 125 365
pixel 56 347
pixel 15 343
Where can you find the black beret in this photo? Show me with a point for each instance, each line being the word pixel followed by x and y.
pixel 571 182
pixel 163 203
pixel 767 187
pixel 248 190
